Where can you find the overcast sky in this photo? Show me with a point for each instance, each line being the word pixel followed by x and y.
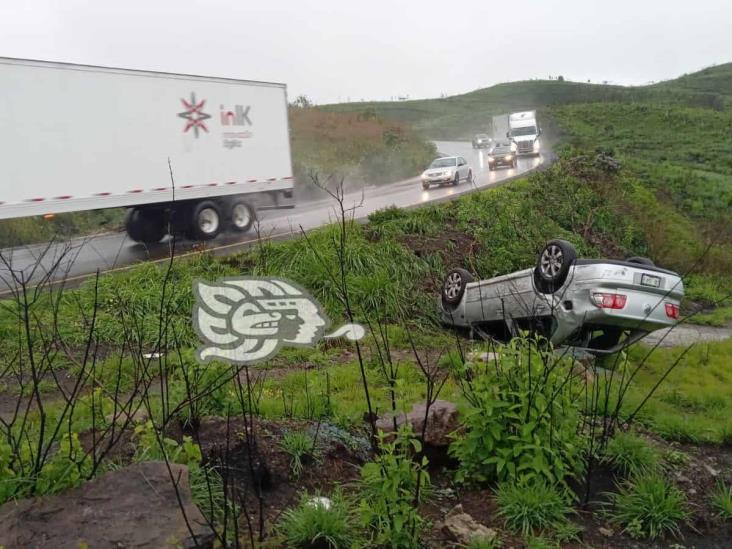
pixel 333 50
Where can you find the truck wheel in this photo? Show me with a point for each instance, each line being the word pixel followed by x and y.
pixel 241 216
pixel 553 265
pixel 146 227
pixel 454 287
pixel 641 261
pixel 206 220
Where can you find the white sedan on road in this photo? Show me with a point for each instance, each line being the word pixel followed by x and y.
pixel 447 170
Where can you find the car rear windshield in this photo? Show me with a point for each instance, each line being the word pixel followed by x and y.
pixel 444 163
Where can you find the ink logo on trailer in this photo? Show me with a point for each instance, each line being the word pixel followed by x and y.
pixel 194 115
pixel 246 320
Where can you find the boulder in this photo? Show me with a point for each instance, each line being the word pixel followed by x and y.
pixel 442 420
pixel 131 507
pixel 462 528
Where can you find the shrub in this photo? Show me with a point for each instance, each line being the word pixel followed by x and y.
pixel 392 487
pixel 481 542
pixel 532 507
pixel 300 447
pixel 630 454
pixel 722 501
pixel 317 524
pixel 522 419
pixel 649 506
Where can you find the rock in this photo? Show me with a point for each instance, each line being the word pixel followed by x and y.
pixel 442 421
pixel 607 532
pixel 463 528
pixel 131 507
pixel 711 470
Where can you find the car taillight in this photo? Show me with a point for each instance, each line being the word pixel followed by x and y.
pixel 672 311
pixel 609 301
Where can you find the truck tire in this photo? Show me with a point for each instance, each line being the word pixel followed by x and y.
pixel 145 226
pixel 454 287
pixel 241 216
pixel 641 261
pixel 205 220
pixel 553 265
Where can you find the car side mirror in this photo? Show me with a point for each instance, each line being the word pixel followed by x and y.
pixel 508 134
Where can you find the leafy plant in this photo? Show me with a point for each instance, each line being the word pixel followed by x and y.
pixel 315 523
pixel 722 500
pixel 300 447
pixel 630 454
pixel 649 506
pixel 532 507
pixel 522 419
pixel 391 488
pixel 153 445
pixel 482 542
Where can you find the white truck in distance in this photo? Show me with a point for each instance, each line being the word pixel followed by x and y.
pixel 76 137
pixel 524 131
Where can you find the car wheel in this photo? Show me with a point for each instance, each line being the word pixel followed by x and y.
pixel 456 181
pixel 470 177
pixel 553 265
pixel 514 164
pixel 146 227
pixel 206 220
pixel 454 287
pixel 425 186
pixel 241 216
pixel 641 261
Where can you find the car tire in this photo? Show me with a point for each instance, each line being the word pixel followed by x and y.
pixel 641 260
pixel 453 287
pixel 469 180
pixel 145 227
pixel 205 220
pixel 425 186
pixel 553 264
pixel 456 181
pixel 514 164
pixel 241 216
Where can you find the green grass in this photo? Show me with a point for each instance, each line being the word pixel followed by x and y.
pixel 532 508
pixel 315 525
pixel 630 454
pixel 694 402
pixel 649 506
pixel 722 501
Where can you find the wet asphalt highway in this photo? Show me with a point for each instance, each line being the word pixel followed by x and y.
pixel 81 257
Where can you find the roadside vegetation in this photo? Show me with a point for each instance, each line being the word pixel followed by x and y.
pixel 288 454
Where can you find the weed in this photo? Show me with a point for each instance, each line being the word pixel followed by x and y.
pixel 675 458
pixel 630 454
pixel 318 523
pixel 722 500
pixel 391 488
pixel 482 542
pixel 300 446
pixel 531 507
pixel 649 506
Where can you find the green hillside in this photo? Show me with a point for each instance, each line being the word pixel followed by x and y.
pixel 465 114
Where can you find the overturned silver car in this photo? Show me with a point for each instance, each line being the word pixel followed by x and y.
pixel 599 305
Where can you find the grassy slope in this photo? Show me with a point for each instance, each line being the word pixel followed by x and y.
pixel 463 115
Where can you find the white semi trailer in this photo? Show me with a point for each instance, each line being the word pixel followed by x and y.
pixel 524 131
pixel 183 153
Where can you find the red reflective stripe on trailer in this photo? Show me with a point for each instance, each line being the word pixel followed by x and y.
pixel 65 197
pixel 251 180
pixel 187 187
pixel 161 189
pixel 288 177
pixel 102 194
pixel 134 191
pixel 35 200
pixel 213 184
pixel 231 182
pixel 272 179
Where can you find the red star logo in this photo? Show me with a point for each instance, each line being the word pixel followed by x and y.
pixel 194 114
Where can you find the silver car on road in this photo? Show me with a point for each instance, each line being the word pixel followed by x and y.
pixel 599 305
